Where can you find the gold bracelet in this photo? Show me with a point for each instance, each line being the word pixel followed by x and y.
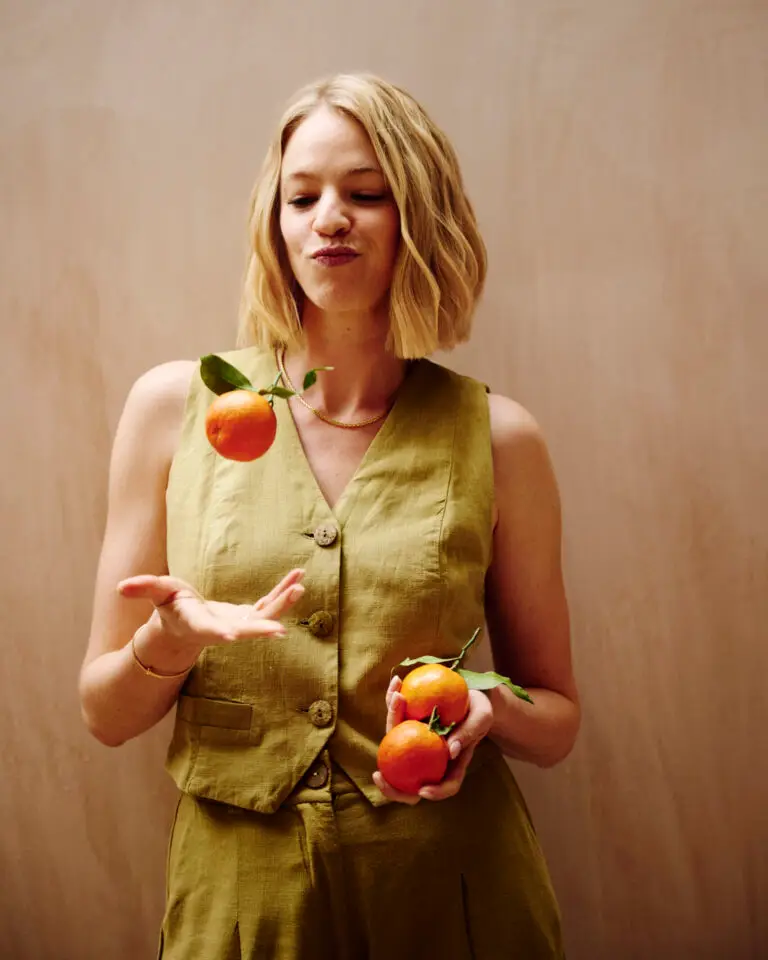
pixel 153 673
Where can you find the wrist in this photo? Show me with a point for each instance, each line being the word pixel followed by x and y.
pixel 158 653
pixel 506 712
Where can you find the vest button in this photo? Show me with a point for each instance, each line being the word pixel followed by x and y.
pixel 325 535
pixel 317 776
pixel 320 623
pixel 321 713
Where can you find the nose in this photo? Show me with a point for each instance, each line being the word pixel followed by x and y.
pixel 331 217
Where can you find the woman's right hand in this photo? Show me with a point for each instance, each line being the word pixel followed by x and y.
pixel 189 623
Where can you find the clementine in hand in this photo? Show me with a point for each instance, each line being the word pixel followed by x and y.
pixel 411 756
pixel 240 425
pixel 434 685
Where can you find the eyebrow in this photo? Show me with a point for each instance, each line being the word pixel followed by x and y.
pixel 308 175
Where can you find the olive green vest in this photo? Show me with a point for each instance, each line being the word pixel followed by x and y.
pixel 396 569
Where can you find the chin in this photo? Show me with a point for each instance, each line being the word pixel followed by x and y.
pixel 329 301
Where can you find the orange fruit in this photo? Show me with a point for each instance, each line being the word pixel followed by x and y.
pixel 240 425
pixel 433 685
pixel 411 756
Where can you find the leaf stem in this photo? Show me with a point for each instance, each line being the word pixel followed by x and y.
pixel 434 719
pixel 271 396
pixel 465 649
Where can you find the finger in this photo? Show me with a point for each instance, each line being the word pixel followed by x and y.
pixel 394 686
pixel 288 581
pixel 213 622
pixel 161 591
pixel 391 794
pixel 451 785
pixel 396 711
pixel 276 607
pixel 253 630
pixel 478 722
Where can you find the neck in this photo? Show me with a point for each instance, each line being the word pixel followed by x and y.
pixel 366 375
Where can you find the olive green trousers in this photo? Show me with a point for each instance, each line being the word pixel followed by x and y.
pixel 330 876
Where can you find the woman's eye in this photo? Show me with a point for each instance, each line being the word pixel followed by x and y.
pixel 307 200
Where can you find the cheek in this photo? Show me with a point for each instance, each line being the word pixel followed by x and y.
pixel 389 231
pixel 290 231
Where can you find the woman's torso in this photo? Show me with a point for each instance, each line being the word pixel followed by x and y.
pixel 395 569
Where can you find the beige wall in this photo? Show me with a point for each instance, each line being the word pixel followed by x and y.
pixel 617 154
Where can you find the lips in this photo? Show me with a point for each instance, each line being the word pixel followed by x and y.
pixel 328 252
pixel 335 256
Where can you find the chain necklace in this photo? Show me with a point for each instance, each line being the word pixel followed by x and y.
pixel 280 356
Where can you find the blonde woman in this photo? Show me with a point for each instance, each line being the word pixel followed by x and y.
pixel 400 506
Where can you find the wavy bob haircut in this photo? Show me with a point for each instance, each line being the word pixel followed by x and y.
pixel 440 268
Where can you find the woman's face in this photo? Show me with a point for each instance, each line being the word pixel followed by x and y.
pixel 338 220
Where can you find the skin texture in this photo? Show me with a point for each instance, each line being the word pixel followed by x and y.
pixel 330 176
pixel 331 192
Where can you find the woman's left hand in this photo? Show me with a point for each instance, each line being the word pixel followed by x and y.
pixel 461 741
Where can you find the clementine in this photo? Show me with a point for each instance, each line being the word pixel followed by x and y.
pixel 411 756
pixel 434 685
pixel 240 425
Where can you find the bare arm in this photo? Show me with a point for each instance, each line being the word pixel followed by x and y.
pixel 526 606
pixel 118 699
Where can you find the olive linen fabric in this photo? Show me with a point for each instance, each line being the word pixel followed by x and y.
pixel 282 845
pixel 396 569
pixel 331 877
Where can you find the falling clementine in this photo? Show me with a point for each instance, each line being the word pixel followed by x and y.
pixel 411 756
pixel 434 685
pixel 240 425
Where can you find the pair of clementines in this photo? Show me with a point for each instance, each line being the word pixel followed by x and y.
pixel 414 753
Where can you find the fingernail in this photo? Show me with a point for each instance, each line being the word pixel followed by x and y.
pixel 455 749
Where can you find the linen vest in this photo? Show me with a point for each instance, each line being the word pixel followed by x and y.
pixel 396 569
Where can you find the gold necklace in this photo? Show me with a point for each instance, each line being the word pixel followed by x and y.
pixel 280 356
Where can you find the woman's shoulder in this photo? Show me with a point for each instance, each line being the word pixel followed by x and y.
pixel 511 422
pixel 154 407
pixel 520 453
pixel 166 381
pixel 160 393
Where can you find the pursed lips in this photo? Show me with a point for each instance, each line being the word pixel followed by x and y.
pixel 329 252
pixel 335 256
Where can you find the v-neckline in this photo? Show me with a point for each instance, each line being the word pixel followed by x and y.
pixel 295 448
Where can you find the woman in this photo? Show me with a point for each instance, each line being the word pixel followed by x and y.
pixel 399 506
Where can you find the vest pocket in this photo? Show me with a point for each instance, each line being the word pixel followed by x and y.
pixel 207 712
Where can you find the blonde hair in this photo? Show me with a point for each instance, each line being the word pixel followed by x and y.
pixel 441 263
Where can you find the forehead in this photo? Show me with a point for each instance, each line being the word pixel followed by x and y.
pixel 326 141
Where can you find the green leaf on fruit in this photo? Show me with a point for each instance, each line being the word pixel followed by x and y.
pixel 454 661
pixel 275 391
pixel 410 661
pixel 220 376
pixel 437 727
pixel 489 680
pixel 310 378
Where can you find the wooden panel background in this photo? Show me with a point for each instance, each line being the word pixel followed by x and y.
pixel 617 154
